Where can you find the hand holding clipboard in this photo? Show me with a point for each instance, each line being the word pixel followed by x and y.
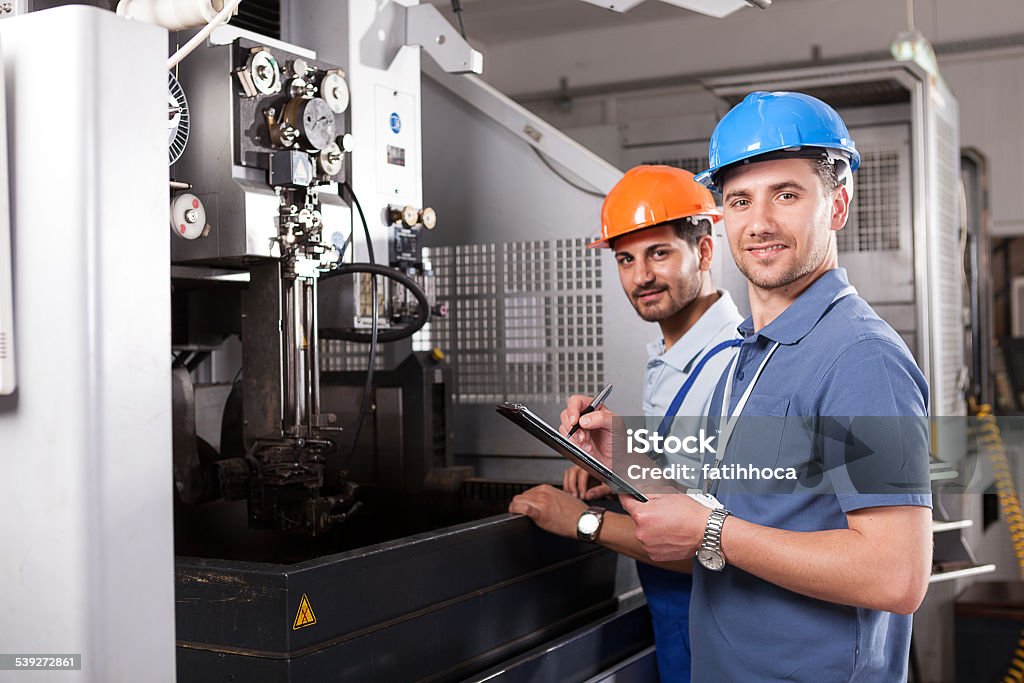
pixel 579 451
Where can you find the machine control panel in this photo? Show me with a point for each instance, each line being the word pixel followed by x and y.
pixel 287 102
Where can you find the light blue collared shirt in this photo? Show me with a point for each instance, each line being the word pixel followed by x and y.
pixel 667 370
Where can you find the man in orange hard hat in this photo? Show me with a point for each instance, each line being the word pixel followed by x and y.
pixel 658 223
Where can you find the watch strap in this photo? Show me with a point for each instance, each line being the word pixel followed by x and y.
pixel 713 530
pixel 592 536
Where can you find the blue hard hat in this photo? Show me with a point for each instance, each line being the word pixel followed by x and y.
pixel 773 121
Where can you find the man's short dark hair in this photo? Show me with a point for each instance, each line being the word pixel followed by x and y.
pixel 690 231
pixel 827 175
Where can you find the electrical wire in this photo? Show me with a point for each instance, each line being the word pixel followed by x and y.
pixel 422 308
pixel 372 361
pixel 1009 502
pixel 558 173
pixel 457 8
pixel 362 217
pixel 375 336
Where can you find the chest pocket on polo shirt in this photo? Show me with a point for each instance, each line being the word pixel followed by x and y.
pixel 758 438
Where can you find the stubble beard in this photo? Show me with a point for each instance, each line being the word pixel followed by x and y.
pixel 770 280
pixel 674 300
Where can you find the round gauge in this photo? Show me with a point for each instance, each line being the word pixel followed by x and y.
pixel 177 119
pixel 334 89
pixel 316 122
pixel 429 218
pixel 410 216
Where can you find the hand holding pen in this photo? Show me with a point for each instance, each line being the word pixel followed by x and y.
pixel 594 405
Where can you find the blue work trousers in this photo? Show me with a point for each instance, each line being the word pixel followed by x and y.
pixel 668 598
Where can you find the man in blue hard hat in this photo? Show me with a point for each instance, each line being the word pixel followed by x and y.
pixel 801 587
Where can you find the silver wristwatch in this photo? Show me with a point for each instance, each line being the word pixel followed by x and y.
pixel 709 554
pixel 588 526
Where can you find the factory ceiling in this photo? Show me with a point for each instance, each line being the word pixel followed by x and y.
pixel 492 22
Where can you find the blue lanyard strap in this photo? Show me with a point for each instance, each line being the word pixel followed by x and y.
pixel 677 402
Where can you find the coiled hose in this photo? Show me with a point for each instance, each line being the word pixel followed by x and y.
pixel 422 304
pixel 1009 504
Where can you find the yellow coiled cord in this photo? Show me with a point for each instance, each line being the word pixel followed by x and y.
pixel 1009 503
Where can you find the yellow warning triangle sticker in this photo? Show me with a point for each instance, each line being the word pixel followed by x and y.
pixel 305 616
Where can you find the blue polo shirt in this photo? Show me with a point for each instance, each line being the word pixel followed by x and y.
pixel 836 361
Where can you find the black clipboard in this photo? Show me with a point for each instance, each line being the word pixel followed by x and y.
pixel 529 421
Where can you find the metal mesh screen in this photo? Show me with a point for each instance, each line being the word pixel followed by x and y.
pixel 524 321
pixel 337 355
pixel 874 223
pixel 525 318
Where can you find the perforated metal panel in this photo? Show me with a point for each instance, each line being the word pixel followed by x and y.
pixel 874 223
pixel 525 319
pixel 337 355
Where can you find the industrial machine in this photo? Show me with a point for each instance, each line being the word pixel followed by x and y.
pixel 249 303
pixel 315 474
pixel 312 355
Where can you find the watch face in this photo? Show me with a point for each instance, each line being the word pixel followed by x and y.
pixel 711 559
pixel 588 523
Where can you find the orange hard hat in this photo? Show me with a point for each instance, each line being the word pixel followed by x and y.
pixel 651 195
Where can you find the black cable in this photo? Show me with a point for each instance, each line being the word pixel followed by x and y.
pixel 362 217
pixel 558 173
pixel 364 404
pixel 457 8
pixel 422 308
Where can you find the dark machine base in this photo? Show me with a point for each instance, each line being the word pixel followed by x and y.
pixel 439 606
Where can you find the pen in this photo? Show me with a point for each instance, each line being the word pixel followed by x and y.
pixel 594 405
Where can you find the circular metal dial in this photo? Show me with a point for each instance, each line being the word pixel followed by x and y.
pixel 315 122
pixel 188 216
pixel 334 90
pixel 410 216
pixel 331 159
pixel 265 72
pixel 429 218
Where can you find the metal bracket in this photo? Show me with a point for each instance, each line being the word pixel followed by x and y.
pixel 426 27
pixel 530 128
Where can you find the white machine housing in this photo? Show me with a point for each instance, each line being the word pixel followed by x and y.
pixel 86 494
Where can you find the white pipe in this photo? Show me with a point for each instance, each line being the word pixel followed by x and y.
pixel 173 15
pixel 222 18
